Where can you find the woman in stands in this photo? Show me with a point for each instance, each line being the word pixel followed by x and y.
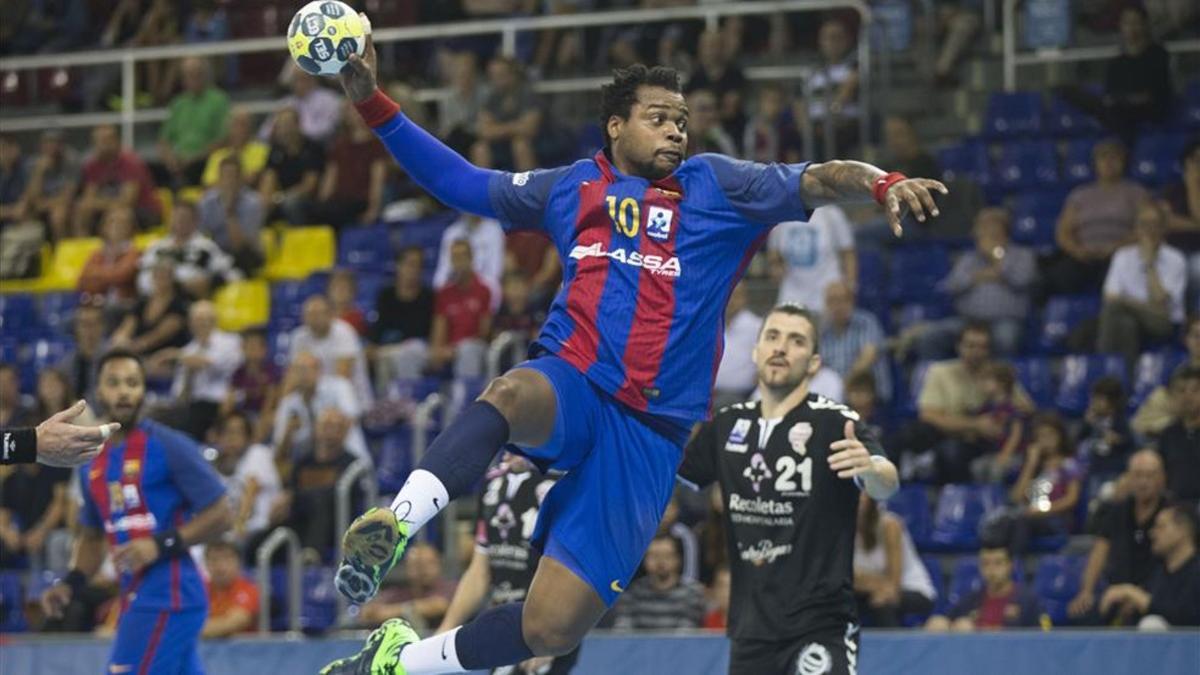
pixel 890 581
pixel 158 320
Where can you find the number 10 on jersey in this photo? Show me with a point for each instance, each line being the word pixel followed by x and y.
pixel 627 216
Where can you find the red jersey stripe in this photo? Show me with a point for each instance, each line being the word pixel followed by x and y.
pixel 594 228
pixel 98 484
pixel 133 469
pixel 152 643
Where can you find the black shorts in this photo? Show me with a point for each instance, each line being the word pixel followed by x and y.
pixel 824 652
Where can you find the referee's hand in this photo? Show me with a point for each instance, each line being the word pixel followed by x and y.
pixel 850 457
pixel 62 444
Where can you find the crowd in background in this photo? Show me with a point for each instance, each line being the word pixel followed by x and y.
pixel 286 416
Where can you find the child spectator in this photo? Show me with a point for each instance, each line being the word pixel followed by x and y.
pixel 343 290
pixel 1000 385
pixel 232 598
pixel 1105 440
pixel 1001 603
pixel 516 314
pixel 254 388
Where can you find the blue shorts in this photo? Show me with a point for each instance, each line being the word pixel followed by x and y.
pixel 599 518
pixel 158 642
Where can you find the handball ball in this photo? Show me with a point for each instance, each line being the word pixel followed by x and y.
pixel 323 35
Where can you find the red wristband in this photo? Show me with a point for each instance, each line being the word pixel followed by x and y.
pixel 884 183
pixel 377 109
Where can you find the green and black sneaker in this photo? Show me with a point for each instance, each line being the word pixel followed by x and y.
pixel 370 548
pixel 380 655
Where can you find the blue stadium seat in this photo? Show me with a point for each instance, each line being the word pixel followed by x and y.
pixel 967 160
pixel 1035 219
pixel 919 268
pixel 395 460
pixel 1034 373
pixel 1155 158
pixel 934 565
pixel 18 316
pixel 365 249
pixel 1063 119
pixel 46 353
pixel 318 609
pixel 1153 369
pixel 1056 582
pixel 956 518
pixel 1061 315
pixel 872 281
pixel 1190 105
pixel 12 604
pixel 58 309
pixel 279 599
pixel 1013 115
pixel 1026 164
pixel 911 504
pixel 1078 373
pixel 1077 161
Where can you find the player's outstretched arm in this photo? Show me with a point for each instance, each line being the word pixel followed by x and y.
pixel 434 166
pixel 840 181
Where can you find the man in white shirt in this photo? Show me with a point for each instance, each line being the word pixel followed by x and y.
pixel 200 265
pixel 335 343
pixel 736 376
pixel 307 393
pixel 204 368
pixel 250 477
pixel 1144 289
pixel 806 257
pixel 487 252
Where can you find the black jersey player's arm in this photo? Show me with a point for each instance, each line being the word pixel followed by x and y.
pixel 470 593
pixel 841 181
pixel 698 467
pixel 864 462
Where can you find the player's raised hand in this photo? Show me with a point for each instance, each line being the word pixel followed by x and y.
pixel 915 195
pixel 850 458
pixel 358 75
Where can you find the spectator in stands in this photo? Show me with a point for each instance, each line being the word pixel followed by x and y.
pixel 241 144
pixel 1121 550
pixel 516 314
pixel 198 264
pixel 14 181
pixel 661 600
pixel 991 285
pixel 233 215
pixel 716 72
pixel 114 176
pixel 53 181
pixel 1097 219
pixel 250 476
pixel 863 398
pixel 951 396
pixel 770 134
pixel 351 191
pixel 335 343
pixel 422 598
pixel 232 598
pixel 1181 201
pixel 1144 290
pixel 736 376
pixel 343 296
pixel 461 317
pixel 904 150
pixel 158 26
pixel 958 22
pixel 203 369
pixel 158 318
pixel 1003 456
pixel 308 504
pixel 110 274
pixel 834 87
pixel 1158 411
pixel 1045 494
pixel 289 183
pixel 33 504
pixel 486 238
pixel 999 604
pixel 534 256
pixel 1180 442
pixel 705 131
pixel 13 411
pixel 1137 82
pixel 717 617
pixel 254 387
pixel 458 113
pixel 88 329
pixel 509 120
pixel 852 339
pixel 403 319
pixel 1171 597
pixel 195 125
pixel 890 580
pixel 805 257
pixel 1105 441
pixel 685 540
pixel 46 27
pixel 318 109
pixel 306 394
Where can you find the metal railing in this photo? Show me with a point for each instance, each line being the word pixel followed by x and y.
pixel 509 344
pixel 361 471
pixel 508 29
pixel 280 536
pixel 1014 59
pixel 422 421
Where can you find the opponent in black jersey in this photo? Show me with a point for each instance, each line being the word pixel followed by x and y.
pixel 790 468
pixel 503 564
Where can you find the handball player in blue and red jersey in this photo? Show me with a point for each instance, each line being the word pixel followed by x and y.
pixel 148 496
pixel 652 243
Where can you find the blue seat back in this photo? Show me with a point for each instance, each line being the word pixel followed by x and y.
pixel 1035 374
pixel 1062 315
pixel 1056 583
pixel 1026 164
pixel 365 248
pixel 1077 161
pixel 1079 372
pixel 966 160
pixel 911 504
pixel 1013 115
pixel 1155 158
pixel 959 510
pixel 918 269
pixel 1047 24
pixel 1153 370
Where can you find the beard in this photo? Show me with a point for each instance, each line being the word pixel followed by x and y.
pixel 127 417
pixel 784 383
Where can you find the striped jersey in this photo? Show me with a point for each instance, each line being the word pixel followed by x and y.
pixel 152 482
pixel 648 267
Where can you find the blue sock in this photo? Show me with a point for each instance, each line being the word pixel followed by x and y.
pixel 460 455
pixel 493 639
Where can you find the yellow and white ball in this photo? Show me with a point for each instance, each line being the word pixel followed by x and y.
pixel 323 34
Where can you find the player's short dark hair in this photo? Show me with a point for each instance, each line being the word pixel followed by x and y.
pixel 617 98
pixel 1109 389
pixel 792 309
pixel 116 354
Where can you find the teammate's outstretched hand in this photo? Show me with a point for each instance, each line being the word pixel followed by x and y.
pixel 358 75
pixel 850 458
pixel 915 194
